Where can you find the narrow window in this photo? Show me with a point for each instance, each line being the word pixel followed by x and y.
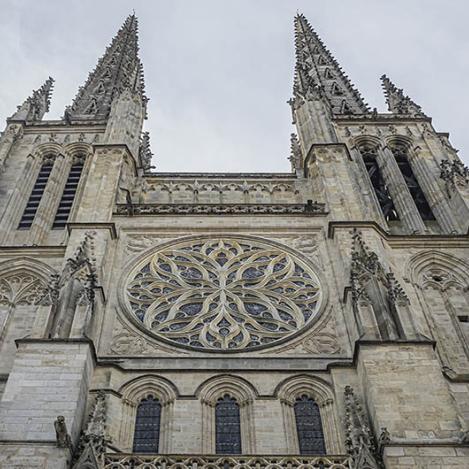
pixel 147 426
pixel 309 426
pixel 68 195
pixel 400 154
pixel 381 190
pixel 36 195
pixel 228 427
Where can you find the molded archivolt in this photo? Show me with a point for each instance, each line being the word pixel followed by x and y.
pixel 136 390
pixel 441 282
pixel 244 393
pixel 424 261
pixel 319 390
pixel 207 315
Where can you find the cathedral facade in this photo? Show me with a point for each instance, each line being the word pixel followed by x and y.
pixel 312 319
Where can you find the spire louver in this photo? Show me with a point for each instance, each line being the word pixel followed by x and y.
pixel 119 69
pixel 398 102
pixel 318 74
pixel 34 107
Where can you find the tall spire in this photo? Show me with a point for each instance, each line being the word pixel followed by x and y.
pixel 119 69
pixel 318 73
pixel 34 107
pixel 398 102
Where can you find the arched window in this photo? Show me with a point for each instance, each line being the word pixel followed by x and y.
pixel 309 426
pixel 227 425
pixel 381 190
pixel 36 194
pixel 68 195
pixel 400 153
pixel 147 426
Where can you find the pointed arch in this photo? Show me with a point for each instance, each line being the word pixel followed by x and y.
pixel 152 397
pixel 316 394
pixel 239 392
pixel 441 281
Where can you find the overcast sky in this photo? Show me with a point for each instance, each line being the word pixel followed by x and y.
pixel 219 72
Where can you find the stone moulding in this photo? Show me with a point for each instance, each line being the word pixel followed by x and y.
pixel 310 209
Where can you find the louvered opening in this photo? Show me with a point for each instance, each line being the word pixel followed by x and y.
pixel 68 196
pixel 35 197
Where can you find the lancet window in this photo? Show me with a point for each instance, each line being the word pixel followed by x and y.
pixel 228 426
pixel 147 426
pixel 309 426
pixel 379 185
pixel 400 153
pixel 36 195
pixel 68 195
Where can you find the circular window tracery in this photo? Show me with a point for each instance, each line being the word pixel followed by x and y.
pixel 223 294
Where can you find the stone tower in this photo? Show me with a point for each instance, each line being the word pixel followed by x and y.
pixel 316 318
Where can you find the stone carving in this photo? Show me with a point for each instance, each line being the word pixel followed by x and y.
pixel 61 433
pixel 145 153
pixel 455 174
pixel 127 342
pixel 185 461
pixel 74 287
pixel 139 242
pixel 94 439
pixel 373 287
pixel 223 293
pixel 296 154
pixel 21 288
pixel 359 439
pixel 313 208
pixel 323 343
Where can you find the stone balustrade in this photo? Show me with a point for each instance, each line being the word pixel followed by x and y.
pixel 130 461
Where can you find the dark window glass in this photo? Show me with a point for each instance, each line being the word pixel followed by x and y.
pixel 36 196
pixel 68 196
pixel 147 426
pixel 228 428
pixel 309 426
pixel 400 154
pixel 381 190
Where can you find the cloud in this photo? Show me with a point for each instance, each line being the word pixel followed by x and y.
pixel 219 73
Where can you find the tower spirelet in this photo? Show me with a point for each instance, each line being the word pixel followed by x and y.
pixel 318 74
pixel 119 69
pixel 36 105
pixel 398 102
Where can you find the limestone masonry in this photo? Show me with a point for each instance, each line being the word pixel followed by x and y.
pixel 311 319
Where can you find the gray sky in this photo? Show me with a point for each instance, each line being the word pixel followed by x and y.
pixel 219 72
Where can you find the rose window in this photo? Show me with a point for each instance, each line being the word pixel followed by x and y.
pixel 223 294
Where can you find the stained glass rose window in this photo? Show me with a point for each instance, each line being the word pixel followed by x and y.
pixel 223 294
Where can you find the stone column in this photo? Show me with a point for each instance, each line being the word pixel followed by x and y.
pixel 399 192
pixel 428 180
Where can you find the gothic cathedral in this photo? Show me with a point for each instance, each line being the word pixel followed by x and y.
pixel 312 319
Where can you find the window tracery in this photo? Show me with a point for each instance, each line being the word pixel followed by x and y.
pixel 222 294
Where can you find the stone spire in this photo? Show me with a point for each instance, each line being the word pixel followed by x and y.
pixel 119 69
pixel 317 73
pixel 398 102
pixel 34 108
